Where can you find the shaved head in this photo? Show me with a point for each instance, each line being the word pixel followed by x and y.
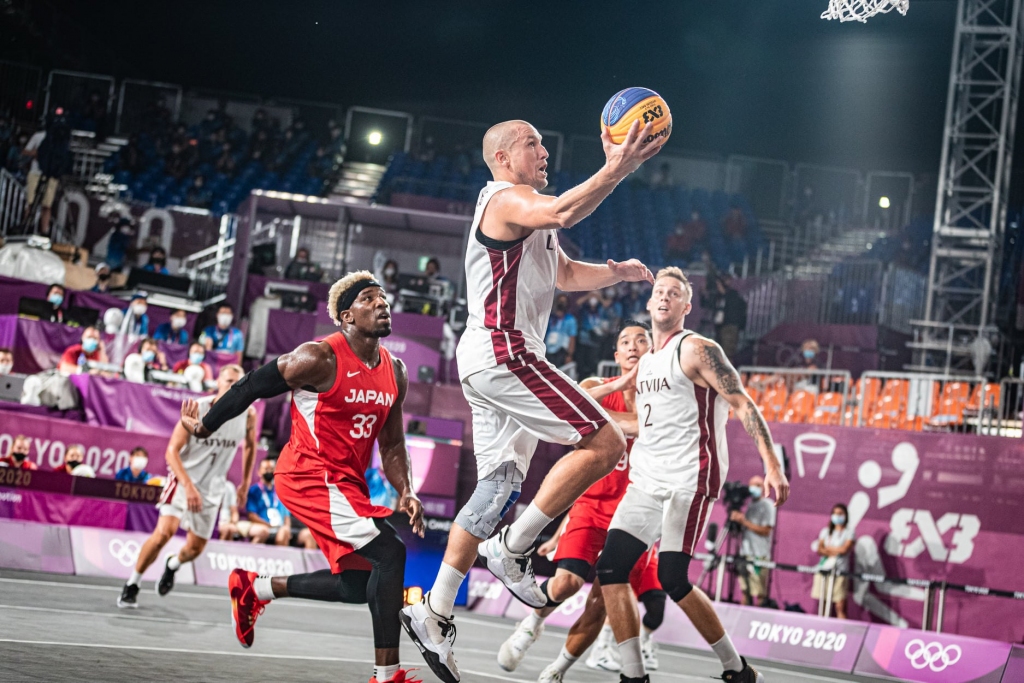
pixel 501 137
pixel 508 160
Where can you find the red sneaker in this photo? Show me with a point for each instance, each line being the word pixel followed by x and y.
pixel 245 606
pixel 403 676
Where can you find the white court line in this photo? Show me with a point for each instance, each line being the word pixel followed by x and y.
pixel 225 653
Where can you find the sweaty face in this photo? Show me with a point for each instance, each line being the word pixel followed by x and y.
pixel 226 379
pixel 528 159
pixel 669 302
pixel 633 342
pixel 371 313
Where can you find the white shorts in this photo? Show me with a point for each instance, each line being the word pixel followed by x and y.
pixel 526 400
pixel 678 518
pixel 174 503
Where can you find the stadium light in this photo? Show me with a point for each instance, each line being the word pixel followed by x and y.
pixel 883 202
pixel 375 137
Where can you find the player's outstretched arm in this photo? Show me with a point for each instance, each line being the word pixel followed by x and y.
pixel 704 358
pixel 312 366
pixel 598 389
pixel 394 456
pixel 578 276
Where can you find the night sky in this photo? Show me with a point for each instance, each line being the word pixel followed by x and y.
pixel 757 77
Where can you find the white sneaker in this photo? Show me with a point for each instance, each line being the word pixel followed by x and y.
pixel 649 648
pixel 512 569
pixel 605 658
pixel 551 675
pixel 434 636
pixel 514 649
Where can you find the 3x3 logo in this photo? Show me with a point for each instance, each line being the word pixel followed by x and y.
pixel 654 113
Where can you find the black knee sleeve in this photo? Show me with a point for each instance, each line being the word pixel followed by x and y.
pixel 544 587
pixel 621 551
pixel 654 608
pixel 385 591
pixel 673 572
pixel 348 586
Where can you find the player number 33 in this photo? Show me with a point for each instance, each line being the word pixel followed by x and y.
pixel 362 426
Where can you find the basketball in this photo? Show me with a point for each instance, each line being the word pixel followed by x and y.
pixel 634 104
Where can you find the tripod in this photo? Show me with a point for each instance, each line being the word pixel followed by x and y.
pixel 731 540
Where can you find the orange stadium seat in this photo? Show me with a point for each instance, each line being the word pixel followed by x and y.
pixel 991 396
pixel 827 410
pixel 772 402
pixel 871 387
pixel 799 407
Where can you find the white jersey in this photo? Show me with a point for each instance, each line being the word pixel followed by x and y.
pixel 509 290
pixel 681 443
pixel 208 460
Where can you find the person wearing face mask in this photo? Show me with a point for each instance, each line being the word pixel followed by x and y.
pixel 6 361
pixel 757 524
pixel 174 330
pixel 148 358
pixel 594 325
pixel 834 545
pixel 136 472
pixel 222 336
pixel 560 340
pixel 102 278
pixel 157 261
pixel 136 321
pixel 75 357
pixel 301 268
pixel 17 457
pixel 813 381
pixel 196 356
pixel 56 296
pixel 73 457
pixel 267 517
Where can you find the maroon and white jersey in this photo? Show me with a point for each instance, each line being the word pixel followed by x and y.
pixel 509 290
pixel 681 442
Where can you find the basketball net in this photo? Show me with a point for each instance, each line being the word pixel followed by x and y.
pixel 860 10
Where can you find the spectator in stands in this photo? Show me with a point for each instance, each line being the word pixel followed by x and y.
pixel 90 349
pixel 73 458
pixel 102 278
pixel 135 321
pixel 809 351
pixel 196 356
pixel 594 327
pixel 152 356
pixel 17 456
pixel 433 270
pixel 834 545
pixel 136 472
pixel 49 150
pixel 120 240
pixel 174 330
pixel 130 157
pixel 679 246
pixel 322 163
pixel 301 268
pixel 389 275
pixel 757 524
pixel 198 196
pixel 662 177
pixel 729 313
pixel 262 146
pixel 633 303
pixel 268 518
pixel 560 340
pixel 56 295
pixel 227 520
pixel 6 361
pixel 15 161
pixel 226 161
pixel 157 261
pixel 178 162
pixel 94 115
pixel 222 336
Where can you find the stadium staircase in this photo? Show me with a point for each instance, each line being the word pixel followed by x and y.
pixel 359 180
pixel 821 259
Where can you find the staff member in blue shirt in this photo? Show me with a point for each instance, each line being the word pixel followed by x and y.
pixel 173 331
pixel 222 336
pixel 136 472
pixel 560 340
pixel 268 517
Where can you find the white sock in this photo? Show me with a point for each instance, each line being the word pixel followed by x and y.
pixel 645 634
pixel 632 658
pixel 726 652
pixel 533 621
pixel 564 661
pixel 173 563
pixel 264 589
pixel 607 636
pixel 441 598
pixel 134 579
pixel 385 672
pixel 525 530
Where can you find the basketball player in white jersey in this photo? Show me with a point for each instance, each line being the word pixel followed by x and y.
pixel 195 488
pixel 513 266
pixel 685 387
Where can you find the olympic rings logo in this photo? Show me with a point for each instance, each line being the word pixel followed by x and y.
pixel 933 655
pixel 125 552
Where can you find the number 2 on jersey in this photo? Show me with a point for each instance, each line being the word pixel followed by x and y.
pixel 647 420
pixel 362 426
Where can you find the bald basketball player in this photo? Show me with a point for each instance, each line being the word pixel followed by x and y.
pixel 513 266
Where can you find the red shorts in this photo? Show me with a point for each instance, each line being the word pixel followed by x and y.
pixel 583 539
pixel 338 513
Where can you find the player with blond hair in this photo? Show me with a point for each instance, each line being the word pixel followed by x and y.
pixel 347 392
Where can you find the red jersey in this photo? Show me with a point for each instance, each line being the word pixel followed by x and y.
pixel 334 431
pixel 604 495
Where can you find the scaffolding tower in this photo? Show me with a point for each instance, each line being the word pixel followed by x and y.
pixel 974 179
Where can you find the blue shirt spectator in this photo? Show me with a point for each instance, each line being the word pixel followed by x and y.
pixel 157 261
pixel 595 321
pixel 222 336
pixel 136 472
pixel 135 320
pixel 562 329
pixel 173 331
pixel 264 503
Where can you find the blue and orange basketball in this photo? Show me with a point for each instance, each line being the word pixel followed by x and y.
pixel 636 103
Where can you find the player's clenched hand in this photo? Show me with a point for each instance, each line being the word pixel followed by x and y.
pixel 194 498
pixel 625 158
pixel 547 547
pixel 625 382
pixel 630 271
pixel 411 505
pixel 776 481
pixel 190 418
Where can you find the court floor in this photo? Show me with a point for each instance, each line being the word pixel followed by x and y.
pixel 60 628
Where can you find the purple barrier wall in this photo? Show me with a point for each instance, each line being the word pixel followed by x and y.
pixel 911 655
pixel 58 508
pixel 35 547
pixel 213 567
pixel 796 638
pixel 1014 671
pixel 103 552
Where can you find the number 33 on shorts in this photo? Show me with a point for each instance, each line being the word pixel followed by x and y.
pixel 362 426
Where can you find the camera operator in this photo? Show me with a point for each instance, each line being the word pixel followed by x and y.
pixel 757 525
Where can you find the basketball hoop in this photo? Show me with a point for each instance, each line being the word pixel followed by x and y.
pixel 860 10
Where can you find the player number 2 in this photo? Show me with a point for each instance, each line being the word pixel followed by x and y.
pixel 647 420
pixel 362 426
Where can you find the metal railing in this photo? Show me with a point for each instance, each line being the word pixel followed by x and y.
pixel 1008 421
pixel 923 401
pixel 210 268
pixel 816 382
pixel 12 202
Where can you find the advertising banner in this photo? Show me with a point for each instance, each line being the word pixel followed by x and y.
pixel 796 638
pixel 104 552
pixel 911 655
pixel 57 508
pixel 221 557
pixel 35 547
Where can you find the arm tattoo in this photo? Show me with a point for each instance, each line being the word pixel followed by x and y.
pixel 755 425
pixel 711 356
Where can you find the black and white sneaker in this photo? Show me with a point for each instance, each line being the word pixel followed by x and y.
pixel 625 679
pixel 512 569
pixel 166 583
pixel 434 636
pixel 128 595
pixel 747 675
